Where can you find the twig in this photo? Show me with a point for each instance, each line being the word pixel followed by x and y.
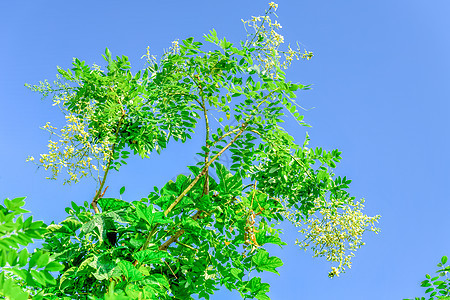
pixel 171 270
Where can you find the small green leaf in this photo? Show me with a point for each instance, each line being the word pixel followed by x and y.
pixel 48 277
pixel 54 266
pixel 237 273
pixel 43 260
pixel 122 190
pixel 23 257
pixel 3 258
pixel 262 296
pixel 444 259
pixel 34 258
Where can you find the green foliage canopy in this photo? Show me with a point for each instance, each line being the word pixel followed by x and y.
pixel 195 233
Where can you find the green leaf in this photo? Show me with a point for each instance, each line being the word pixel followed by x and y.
pixel 148 256
pixel 444 259
pixel 129 271
pixel 181 182
pixel 72 224
pixel 42 260
pixel 265 263
pixel 49 280
pixel 3 258
pixel 229 184
pixel 104 267
pixel 107 204
pixel 145 213
pixel 237 273
pixel 98 222
pixel 122 190
pixel 23 257
pixel 10 289
pixel 262 296
pixel 66 277
pixel 54 266
pixel 34 258
pixel 160 280
pixel 40 278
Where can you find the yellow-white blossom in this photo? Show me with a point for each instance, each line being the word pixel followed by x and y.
pixel 273 5
pixel 335 233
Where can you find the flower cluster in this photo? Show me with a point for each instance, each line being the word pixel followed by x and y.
pixel 75 151
pixel 266 39
pixel 175 47
pixel 273 5
pixel 335 233
pixel 75 147
pixel 151 59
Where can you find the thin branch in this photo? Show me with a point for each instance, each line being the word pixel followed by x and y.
pixel 206 185
pixel 205 168
pixel 292 156
pixel 196 179
pixel 187 246
pixel 172 239
pixel 171 270
pixel 98 195
pixel 225 135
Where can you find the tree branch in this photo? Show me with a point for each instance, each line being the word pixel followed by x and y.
pixel 206 185
pixel 98 194
pixel 203 172
pixel 196 179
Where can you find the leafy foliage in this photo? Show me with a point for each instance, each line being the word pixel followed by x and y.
pixel 22 273
pixel 438 286
pixel 210 228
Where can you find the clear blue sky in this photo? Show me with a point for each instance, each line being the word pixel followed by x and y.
pixel 381 75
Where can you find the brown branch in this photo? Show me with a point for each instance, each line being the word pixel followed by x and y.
pixel 98 195
pixel 180 232
pixel 171 270
pixel 225 135
pixel 172 239
pixel 196 179
pixel 203 172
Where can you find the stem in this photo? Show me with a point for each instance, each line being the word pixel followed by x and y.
pixel 300 163
pixel 259 28
pixel 196 179
pixel 187 246
pixel 98 195
pixel 172 239
pixel 225 135
pixel 206 185
pixel 147 241
pixel 203 172
pixel 180 232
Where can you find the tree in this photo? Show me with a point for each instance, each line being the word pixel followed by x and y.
pixel 195 233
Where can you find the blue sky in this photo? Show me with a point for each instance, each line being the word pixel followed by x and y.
pixel 380 76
